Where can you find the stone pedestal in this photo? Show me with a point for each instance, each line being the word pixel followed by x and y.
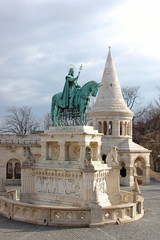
pixel 64 177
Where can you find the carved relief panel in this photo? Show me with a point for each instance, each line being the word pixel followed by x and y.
pixel 61 186
pixel 53 150
pixel 72 150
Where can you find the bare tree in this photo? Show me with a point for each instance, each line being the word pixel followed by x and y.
pixel 131 95
pixel 47 121
pixel 20 120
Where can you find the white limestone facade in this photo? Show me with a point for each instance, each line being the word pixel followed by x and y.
pixel 111 116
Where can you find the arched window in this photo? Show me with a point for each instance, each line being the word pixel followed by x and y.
pixel 105 128
pixel 110 128
pixel 17 170
pixel 99 127
pixel 121 127
pixel 13 169
pixel 9 171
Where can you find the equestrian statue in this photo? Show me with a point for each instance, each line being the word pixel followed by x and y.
pixel 73 101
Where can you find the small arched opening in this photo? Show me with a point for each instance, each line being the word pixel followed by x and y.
pixel 123 171
pixel 104 156
pixel 121 126
pixel 105 128
pixel 110 128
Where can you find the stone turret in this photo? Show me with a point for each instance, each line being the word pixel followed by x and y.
pixel 110 114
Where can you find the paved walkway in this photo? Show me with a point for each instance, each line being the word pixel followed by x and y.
pixel 147 228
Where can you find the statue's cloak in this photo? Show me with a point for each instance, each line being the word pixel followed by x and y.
pixel 65 95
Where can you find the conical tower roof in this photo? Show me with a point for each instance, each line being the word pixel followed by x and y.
pixel 110 97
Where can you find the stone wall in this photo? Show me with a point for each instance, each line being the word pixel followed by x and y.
pixel 12 150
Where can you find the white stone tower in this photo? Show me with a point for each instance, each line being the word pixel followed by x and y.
pixel 111 116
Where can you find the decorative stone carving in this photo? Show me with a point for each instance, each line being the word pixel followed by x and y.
pixel 61 186
pixel 88 157
pixel 53 150
pixel 35 214
pixel 75 152
pixel 29 157
pixel 112 157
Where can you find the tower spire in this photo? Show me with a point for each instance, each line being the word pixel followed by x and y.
pixel 110 97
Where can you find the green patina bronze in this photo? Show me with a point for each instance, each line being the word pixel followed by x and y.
pixel 73 101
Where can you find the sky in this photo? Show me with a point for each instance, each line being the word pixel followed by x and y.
pixel 40 38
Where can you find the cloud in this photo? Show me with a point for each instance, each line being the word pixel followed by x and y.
pixel 40 38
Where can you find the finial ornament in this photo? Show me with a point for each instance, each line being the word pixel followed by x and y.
pixel 109 48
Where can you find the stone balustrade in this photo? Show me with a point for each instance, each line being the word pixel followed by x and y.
pixel 70 216
pixel 127 197
pixel 32 139
pixel 19 142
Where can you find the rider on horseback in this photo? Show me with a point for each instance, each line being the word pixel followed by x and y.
pixel 70 89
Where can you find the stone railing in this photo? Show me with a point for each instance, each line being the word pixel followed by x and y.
pixel 126 197
pixel 154 175
pixel 19 142
pixel 44 215
pixel 125 212
pixel 71 216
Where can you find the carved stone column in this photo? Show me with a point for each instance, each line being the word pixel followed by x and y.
pixel 62 151
pixel 88 178
pixel 43 150
pixel 82 152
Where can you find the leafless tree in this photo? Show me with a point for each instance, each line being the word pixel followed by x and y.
pixel 20 120
pixel 47 121
pixel 132 98
pixel 131 95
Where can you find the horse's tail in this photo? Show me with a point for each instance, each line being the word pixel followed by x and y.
pixel 52 107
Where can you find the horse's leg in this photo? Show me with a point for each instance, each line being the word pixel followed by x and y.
pixel 83 112
pixel 81 106
pixel 59 116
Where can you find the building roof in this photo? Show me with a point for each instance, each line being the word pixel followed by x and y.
pixel 110 97
pixel 129 145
